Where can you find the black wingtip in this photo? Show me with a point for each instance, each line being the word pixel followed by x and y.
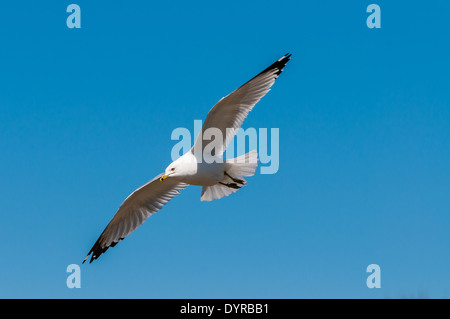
pixel 280 64
pixel 93 257
pixel 277 65
pixel 86 258
pixel 97 250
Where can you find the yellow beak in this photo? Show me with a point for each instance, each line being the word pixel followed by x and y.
pixel 163 177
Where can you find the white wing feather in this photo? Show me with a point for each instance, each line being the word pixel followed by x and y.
pixel 141 204
pixel 231 111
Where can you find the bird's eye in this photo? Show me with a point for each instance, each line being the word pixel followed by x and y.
pixel 172 169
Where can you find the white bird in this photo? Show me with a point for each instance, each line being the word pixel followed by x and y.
pixel 217 177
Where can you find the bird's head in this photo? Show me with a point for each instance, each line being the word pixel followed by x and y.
pixel 182 167
pixel 171 170
pixel 175 169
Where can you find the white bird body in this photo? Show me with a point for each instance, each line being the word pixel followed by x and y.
pixel 217 177
pixel 197 171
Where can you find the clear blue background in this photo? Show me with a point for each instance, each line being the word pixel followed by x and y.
pixel 86 117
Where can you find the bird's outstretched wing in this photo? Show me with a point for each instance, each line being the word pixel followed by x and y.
pixel 143 202
pixel 231 111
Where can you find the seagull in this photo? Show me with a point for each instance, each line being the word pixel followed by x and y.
pixel 217 177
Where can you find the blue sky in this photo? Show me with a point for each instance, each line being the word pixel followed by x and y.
pixel 86 117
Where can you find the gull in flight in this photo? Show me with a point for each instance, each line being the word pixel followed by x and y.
pixel 217 177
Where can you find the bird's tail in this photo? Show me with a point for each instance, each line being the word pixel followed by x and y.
pixel 233 179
